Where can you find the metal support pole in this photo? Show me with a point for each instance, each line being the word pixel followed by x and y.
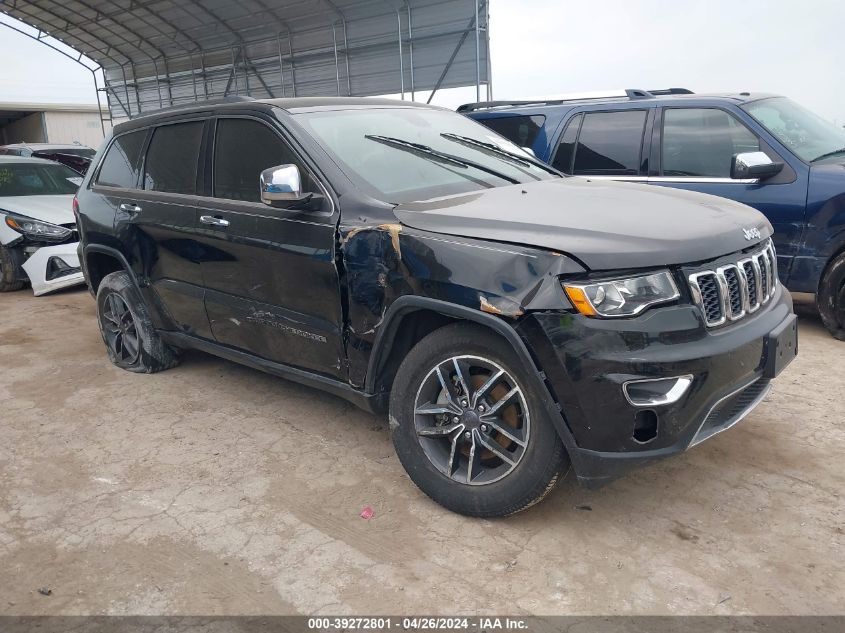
pixel 477 56
pixel 99 105
pixel 411 52
pixel 193 77
pixel 158 85
pixel 281 64
pixel 401 61
pixel 204 76
pixel 292 67
pixel 346 57
pixel 135 82
pixel 451 59
pixel 487 48
pixel 242 48
pixel 235 71
pixel 336 62
pixel 126 90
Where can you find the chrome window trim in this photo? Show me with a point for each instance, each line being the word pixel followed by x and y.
pixel 676 179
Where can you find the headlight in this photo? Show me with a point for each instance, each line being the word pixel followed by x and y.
pixel 37 229
pixel 622 297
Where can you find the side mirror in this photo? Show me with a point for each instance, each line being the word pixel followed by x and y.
pixel 281 185
pixel 754 165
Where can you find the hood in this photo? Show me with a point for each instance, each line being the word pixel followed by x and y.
pixel 606 225
pixel 56 209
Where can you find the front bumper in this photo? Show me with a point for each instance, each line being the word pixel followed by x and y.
pixel 587 362
pixel 51 268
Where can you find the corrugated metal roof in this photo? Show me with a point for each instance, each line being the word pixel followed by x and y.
pixel 158 53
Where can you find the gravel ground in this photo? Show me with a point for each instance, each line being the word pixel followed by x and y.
pixel 215 489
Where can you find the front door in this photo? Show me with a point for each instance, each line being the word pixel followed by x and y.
pixel 696 149
pixel 272 286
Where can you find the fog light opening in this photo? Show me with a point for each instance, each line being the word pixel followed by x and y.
pixel 645 426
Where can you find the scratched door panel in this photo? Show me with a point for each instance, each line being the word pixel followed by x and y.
pixel 272 287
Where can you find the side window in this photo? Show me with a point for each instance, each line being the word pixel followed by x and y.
pixel 243 148
pixel 702 141
pixel 522 130
pixel 610 143
pixel 121 163
pixel 172 158
pixel 566 147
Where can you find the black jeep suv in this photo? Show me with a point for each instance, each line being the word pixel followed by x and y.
pixel 511 320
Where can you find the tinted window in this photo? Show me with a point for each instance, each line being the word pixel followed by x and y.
pixel 610 142
pixel 566 148
pixel 702 142
pixel 522 130
pixel 243 149
pixel 120 165
pixel 172 158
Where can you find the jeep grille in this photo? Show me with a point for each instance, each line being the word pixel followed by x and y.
pixel 736 289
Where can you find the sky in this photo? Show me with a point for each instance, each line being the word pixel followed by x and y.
pixel 554 47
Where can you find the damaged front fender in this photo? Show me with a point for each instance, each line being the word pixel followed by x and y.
pixel 384 262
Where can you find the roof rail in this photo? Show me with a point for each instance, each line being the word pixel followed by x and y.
pixel 636 93
pixel 630 93
pixel 196 104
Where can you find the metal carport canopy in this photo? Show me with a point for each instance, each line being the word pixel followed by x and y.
pixel 158 53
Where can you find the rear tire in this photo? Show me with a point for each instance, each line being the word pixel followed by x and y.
pixel 130 337
pixel 831 297
pixel 488 414
pixel 10 273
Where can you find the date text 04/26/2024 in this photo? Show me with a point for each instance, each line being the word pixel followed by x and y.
pixel 416 624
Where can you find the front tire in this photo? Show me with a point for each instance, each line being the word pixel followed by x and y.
pixel 10 270
pixel 831 297
pixel 470 427
pixel 130 337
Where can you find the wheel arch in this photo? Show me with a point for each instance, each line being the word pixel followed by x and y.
pixel 102 260
pixel 385 355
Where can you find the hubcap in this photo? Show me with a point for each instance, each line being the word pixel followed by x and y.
pixel 472 420
pixel 119 329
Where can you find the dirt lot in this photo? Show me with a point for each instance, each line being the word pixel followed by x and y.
pixel 216 489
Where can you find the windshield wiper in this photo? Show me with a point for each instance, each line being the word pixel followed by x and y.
pixel 829 154
pixel 433 154
pixel 494 149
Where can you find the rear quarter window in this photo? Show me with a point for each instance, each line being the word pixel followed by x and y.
pixel 121 162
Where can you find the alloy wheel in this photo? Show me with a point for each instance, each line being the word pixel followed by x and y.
pixel 472 420
pixel 120 330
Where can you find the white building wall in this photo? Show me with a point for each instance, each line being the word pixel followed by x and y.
pixel 70 127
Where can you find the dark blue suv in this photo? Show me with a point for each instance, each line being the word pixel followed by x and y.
pixel 762 150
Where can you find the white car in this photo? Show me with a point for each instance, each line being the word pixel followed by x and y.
pixel 38 236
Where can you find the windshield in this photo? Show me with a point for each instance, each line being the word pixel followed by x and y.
pixel 807 134
pixel 406 154
pixel 35 179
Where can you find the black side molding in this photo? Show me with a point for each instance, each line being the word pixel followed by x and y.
pixel 367 402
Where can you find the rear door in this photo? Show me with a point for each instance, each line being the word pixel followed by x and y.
pixel 272 286
pixel 159 223
pixel 611 144
pixel 693 150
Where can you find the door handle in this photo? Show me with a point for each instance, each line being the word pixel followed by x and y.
pixel 130 208
pixel 210 219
